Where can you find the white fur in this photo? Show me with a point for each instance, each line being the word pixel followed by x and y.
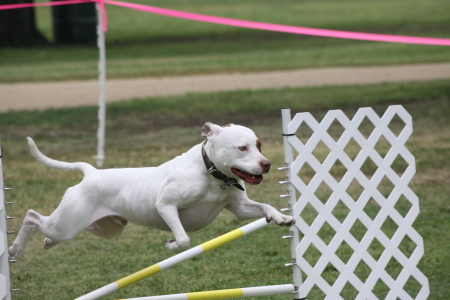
pixel 178 196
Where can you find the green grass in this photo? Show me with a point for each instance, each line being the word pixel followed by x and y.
pixel 141 44
pixel 148 132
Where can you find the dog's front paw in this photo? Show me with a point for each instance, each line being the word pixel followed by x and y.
pixel 281 220
pixel 15 251
pixel 174 246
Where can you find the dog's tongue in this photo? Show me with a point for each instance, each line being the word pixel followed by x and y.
pixel 251 179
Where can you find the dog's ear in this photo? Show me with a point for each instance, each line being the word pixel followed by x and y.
pixel 211 130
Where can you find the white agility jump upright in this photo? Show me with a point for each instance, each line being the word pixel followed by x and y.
pixel 5 284
pixel 307 239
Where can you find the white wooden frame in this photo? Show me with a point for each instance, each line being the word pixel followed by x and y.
pixel 307 234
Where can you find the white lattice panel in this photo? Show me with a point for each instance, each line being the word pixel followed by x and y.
pixel 337 194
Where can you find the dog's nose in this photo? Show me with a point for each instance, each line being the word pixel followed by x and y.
pixel 265 165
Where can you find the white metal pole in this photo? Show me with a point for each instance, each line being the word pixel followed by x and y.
pixel 5 284
pixel 100 157
pixel 292 197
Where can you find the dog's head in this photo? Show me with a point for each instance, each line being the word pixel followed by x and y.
pixel 236 152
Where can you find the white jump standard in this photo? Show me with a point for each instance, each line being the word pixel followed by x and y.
pixel 5 284
pixel 373 188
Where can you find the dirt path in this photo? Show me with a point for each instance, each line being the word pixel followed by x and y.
pixel 44 95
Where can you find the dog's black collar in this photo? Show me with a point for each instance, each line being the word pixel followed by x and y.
pixel 211 169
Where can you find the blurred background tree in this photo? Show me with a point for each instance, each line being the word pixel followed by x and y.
pixel 72 24
pixel 18 26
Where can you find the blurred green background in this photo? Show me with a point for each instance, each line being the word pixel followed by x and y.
pixel 148 132
pixel 142 44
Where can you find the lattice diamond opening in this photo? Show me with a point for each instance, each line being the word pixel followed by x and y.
pixel 352 149
pixel 366 127
pixel 304 132
pixel 317 293
pixel 323 192
pixel 397 124
pixel 358 230
pixel 306 173
pixel 355 210
pixel 362 271
pixel 380 289
pixel 321 151
pixel 403 206
pixel 375 249
pixel 340 211
pixel 389 227
pixel 326 233
pixel 399 165
pixel 349 291
pixel 338 170
pixel 309 214
pixel 407 246
pixel 369 168
pixel 372 208
pixel 330 274
pixel 336 130
pixel 393 268
pixel 382 147
pixel 386 187
pixel 355 190
pixel 344 252
pixel 312 255
pixel 412 287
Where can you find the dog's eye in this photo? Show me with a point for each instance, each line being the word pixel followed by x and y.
pixel 243 148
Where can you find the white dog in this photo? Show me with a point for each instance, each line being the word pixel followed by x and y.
pixel 182 195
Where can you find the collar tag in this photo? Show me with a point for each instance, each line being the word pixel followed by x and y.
pixel 230 181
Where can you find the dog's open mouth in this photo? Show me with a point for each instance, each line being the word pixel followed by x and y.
pixel 249 178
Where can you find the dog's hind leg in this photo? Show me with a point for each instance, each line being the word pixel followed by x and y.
pixel 58 227
pixel 65 223
pixel 32 220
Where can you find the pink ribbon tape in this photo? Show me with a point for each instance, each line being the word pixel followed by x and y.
pixel 283 28
pixel 247 24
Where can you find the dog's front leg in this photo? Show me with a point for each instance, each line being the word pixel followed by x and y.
pixel 169 213
pixel 244 209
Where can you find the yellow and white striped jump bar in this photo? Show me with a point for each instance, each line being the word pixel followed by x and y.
pixel 227 294
pixel 176 259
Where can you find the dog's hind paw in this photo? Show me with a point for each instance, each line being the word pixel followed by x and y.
pixel 13 253
pixel 173 246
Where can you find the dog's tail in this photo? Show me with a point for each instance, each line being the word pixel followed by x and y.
pixel 56 164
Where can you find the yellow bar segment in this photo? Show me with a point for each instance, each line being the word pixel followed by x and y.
pixel 223 239
pixel 130 279
pixel 222 294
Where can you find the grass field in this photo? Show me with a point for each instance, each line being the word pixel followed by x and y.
pixel 148 132
pixel 141 44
